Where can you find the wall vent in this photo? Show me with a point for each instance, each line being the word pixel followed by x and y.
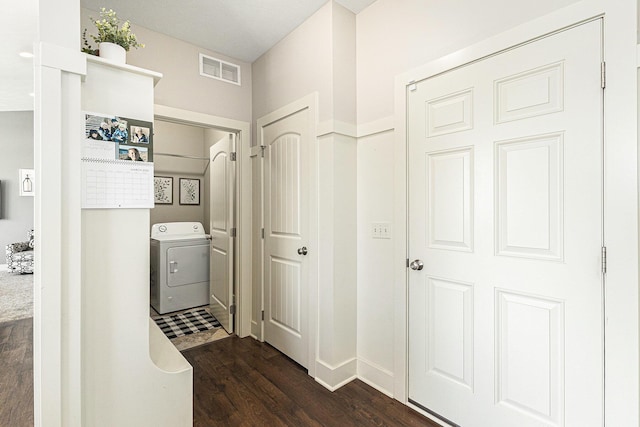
pixel 219 69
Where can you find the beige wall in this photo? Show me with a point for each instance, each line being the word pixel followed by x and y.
pixel 343 33
pixel 16 146
pixel 182 86
pixel 172 138
pixel 318 56
pixel 297 66
pixel 395 36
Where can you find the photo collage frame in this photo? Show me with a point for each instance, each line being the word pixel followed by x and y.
pixel 118 138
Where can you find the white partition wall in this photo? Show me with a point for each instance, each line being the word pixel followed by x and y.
pixel 131 374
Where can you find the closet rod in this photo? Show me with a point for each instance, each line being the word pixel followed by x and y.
pixel 181 156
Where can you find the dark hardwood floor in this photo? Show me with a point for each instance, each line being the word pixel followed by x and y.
pixel 237 382
pixel 16 373
pixel 242 382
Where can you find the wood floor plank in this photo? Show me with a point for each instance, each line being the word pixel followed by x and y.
pixel 16 373
pixel 237 382
pixel 242 382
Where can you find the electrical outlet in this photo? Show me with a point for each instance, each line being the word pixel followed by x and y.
pixel 381 230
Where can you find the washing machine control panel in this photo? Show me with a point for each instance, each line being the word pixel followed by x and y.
pixel 177 229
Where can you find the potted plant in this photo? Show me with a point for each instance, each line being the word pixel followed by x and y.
pixel 114 39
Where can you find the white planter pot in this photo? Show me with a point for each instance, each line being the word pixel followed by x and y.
pixel 112 52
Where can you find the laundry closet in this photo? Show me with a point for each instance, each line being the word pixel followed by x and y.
pixel 180 235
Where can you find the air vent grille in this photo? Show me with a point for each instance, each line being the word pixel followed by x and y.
pixel 220 70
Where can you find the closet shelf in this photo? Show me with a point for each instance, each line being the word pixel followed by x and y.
pixel 126 67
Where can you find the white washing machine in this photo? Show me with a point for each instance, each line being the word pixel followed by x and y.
pixel 179 266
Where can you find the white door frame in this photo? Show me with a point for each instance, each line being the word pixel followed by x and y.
pixel 621 187
pixel 243 201
pixel 309 102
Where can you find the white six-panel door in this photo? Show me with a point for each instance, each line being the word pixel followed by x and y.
pixel 221 211
pixel 286 222
pixel 505 195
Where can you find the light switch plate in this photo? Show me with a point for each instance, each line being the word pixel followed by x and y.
pixel 381 230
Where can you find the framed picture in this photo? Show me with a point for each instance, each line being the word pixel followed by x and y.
pixel 27 182
pixel 189 191
pixel 163 190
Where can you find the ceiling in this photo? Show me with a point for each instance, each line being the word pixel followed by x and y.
pixel 18 25
pixel 241 29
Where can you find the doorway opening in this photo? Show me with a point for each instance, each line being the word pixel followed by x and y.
pixel 185 143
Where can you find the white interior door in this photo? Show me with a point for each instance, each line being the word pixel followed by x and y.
pixel 505 194
pixel 221 208
pixel 286 221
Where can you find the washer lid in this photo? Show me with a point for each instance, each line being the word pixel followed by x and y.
pixel 181 237
pixel 192 229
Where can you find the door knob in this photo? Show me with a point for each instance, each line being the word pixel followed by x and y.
pixel 416 265
pixel 302 250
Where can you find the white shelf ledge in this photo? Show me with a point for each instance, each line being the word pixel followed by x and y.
pixel 126 67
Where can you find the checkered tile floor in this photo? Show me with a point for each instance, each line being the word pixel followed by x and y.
pixel 186 323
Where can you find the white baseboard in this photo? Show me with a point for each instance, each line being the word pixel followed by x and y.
pixel 375 376
pixel 334 377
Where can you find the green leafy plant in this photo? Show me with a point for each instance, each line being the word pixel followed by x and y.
pixel 110 30
pixel 86 47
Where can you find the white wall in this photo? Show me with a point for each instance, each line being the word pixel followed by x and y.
pixel 375 269
pixel 182 86
pixel 16 146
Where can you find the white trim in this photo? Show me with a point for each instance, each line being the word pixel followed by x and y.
pixel 222 79
pixel 309 102
pixel 333 377
pixel 638 56
pixel 125 67
pixel 621 182
pixel 62 58
pixel 384 124
pixel 243 199
pixel 428 415
pixel 256 150
pixel 563 18
pixel 57 343
pixel 376 376
pixel 335 126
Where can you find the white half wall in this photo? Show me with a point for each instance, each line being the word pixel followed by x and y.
pixel 121 382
